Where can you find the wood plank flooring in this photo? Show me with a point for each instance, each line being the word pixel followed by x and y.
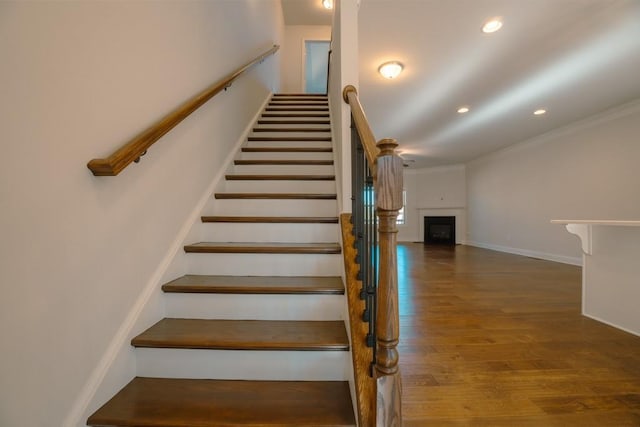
pixel 493 339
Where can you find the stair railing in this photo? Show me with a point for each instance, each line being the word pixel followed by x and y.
pixel 133 150
pixel 377 199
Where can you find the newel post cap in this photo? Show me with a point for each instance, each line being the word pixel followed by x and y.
pixel 387 146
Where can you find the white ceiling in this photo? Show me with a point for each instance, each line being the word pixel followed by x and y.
pixel 305 12
pixel 573 58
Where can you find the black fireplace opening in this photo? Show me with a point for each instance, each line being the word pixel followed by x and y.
pixel 440 230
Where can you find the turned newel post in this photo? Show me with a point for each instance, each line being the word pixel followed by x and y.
pixel 388 189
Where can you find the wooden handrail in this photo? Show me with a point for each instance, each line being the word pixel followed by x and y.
pixel 132 150
pixel 350 96
pixel 386 169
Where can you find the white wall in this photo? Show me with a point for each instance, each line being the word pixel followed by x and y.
pixel 588 170
pixel 438 191
pixel 293 53
pixel 78 80
pixel 343 71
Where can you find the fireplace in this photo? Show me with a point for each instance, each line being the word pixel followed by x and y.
pixel 440 230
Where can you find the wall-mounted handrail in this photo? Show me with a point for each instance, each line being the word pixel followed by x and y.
pixel 328 67
pixel 137 147
pixel 377 199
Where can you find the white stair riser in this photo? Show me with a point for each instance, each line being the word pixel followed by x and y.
pixel 290 100
pixel 279 186
pixel 265 264
pixel 285 156
pixel 242 364
pixel 270 207
pixel 301 108
pixel 322 102
pixel 267 232
pixel 288 144
pixel 301 105
pixel 266 128
pixel 287 135
pixel 284 169
pixel 254 307
pixel 302 122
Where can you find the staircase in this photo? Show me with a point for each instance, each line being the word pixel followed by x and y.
pixel 254 334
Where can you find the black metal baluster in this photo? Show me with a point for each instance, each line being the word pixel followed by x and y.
pixel 365 230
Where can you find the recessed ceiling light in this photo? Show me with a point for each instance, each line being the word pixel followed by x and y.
pixel 390 70
pixel 540 112
pixel 327 4
pixel 463 110
pixel 492 25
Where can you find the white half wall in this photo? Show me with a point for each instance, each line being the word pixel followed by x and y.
pixel 438 191
pixel 588 170
pixel 610 291
pixel 78 251
pixel 293 53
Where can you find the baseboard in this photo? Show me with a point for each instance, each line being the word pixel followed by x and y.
pixel 528 253
pixel 84 403
pixel 613 325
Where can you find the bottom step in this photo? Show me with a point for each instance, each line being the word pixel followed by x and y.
pixel 208 403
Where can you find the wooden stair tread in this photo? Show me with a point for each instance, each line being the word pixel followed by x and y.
pixel 295 114
pixel 289 102
pixel 324 130
pixel 192 283
pixel 301 101
pixel 304 335
pixel 301 94
pixel 263 248
pixel 299 105
pixel 283 162
pixel 166 402
pixel 287 149
pixel 277 196
pixel 293 122
pixel 280 177
pixel 289 138
pixel 294 109
pixel 272 219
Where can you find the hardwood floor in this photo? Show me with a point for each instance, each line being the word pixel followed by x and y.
pixel 493 339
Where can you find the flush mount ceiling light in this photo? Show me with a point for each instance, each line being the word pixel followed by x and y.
pixel 327 4
pixel 463 110
pixel 492 25
pixel 540 112
pixel 390 70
